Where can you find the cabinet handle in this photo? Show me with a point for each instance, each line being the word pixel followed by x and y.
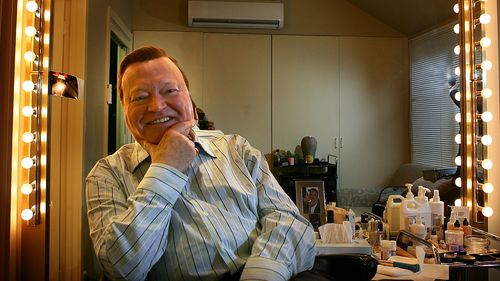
pixel 341 142
pixel 335 143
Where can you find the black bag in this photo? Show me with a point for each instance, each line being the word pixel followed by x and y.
pixel 379 206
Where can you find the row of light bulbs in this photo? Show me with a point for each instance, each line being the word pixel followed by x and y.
pixel 28 86
pixel 486 116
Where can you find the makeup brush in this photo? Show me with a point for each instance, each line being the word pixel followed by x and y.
pixel 409 266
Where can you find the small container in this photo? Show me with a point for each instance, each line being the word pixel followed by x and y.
pixel 454 240
pixel 330 212
pixel 387 249
pixel 476 244
pixel 467 229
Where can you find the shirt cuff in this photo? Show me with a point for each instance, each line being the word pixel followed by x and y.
pixel 259 268
pixel 165 181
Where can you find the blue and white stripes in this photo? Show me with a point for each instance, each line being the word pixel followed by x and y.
pixel 225 212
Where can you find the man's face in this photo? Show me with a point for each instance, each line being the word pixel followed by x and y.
pixel 155 97
pixel 313 196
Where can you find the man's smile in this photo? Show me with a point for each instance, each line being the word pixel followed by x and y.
pixel 158 121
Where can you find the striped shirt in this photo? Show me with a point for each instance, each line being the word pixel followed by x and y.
pixel 225 212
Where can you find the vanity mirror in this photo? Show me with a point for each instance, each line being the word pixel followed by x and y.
pixel 349 25
pixel 476 81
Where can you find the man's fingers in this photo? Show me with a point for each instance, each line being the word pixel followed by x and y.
pixel 183 127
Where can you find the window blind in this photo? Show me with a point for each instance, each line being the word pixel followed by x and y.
pixel 432 111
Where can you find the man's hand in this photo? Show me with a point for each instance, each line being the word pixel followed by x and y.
pixel 175 149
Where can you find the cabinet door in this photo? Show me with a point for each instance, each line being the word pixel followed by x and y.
pixel 305 92
pixel 237 85
pixel 374 112
pixel 186 48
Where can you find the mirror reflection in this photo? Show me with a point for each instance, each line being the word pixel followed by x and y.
pixel 371 82
pixel 360 97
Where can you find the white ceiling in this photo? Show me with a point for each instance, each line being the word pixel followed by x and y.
pixel 409 17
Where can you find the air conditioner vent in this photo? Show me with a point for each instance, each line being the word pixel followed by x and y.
pixel 220 14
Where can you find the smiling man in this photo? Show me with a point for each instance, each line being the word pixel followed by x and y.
pixel 186 204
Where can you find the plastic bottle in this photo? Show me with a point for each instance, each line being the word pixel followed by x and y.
pixel 437 215
pixel 434 236
pixel 453 217
pixel 391 213
pixel 387 249
pixel 424 208
pixel 467 228
pixel 408 210
pixel 457 225
pixel 277 158
pixel 419 228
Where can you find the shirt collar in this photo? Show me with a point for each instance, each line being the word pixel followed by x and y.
pixel 201 141
pixel 139 154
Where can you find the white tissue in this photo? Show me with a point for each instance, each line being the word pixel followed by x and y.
pixel 336 233
pixel 420 255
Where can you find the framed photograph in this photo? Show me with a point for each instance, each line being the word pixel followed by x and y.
pixel 310 199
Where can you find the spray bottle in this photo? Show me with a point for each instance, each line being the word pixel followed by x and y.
pixel 437 215
pixel 408 210
pixel 424 209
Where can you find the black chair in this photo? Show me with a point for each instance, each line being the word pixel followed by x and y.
pixel 341 267
pixel 379 206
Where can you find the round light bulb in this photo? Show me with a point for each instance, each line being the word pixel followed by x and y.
pixel 26 188
pixel 487 164
pixel 28 137
pixel 486 93
pixel 456 28
pixel 486 65
pixel 488 188
pixel 458 182
pixel 485 42
pixel 458 139
pixel 29 56
pixel 455 8
pixel 484 18
pixel 458 117
pixel 30 31
pixel 458 202
pixel 458 160
pixel 486 139
pixel 27 111
pixel 457 96
pixel 457 71
pixel 27 162
pixel 26 214
pixel 487 211
pixel 28 86
pixel 456 50
pixel 31 6
pixel 487 116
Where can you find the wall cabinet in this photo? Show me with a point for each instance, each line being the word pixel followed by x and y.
pixel 351 93
pixel 374 104
pixel 305 91
pixel 237 85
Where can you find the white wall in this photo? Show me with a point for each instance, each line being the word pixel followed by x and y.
pixel 302 17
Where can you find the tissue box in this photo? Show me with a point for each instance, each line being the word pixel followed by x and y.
pixel 358 246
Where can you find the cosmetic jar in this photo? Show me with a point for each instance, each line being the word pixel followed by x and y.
pixel 476 244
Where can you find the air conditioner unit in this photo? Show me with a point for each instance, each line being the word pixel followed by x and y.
pixel 235 14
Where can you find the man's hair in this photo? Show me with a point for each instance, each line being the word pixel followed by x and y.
pixel 313 189
pixel 141 55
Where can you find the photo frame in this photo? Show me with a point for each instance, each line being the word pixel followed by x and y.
pixel 307 192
